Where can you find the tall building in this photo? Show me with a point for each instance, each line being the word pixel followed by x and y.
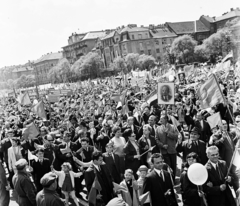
pixel 44 64
pixel 150 40
pixel 80 44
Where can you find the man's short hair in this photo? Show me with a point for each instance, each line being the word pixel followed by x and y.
pixel 84 140
pixel 155 156
pixel 96 155
pixel 211 148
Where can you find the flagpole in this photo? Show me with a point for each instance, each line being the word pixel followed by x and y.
pixel 231 163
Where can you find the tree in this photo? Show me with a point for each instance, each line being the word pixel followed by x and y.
pixel 168 56
pixel 119 65
pixel 218 44
pixel 91 65
pixel 146 61
pixel 200 53
pixel 183 48
pixel 61 72
pixel 132 61
pixel 77 67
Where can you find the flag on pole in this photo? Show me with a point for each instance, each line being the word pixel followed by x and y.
pixel 118 187
pixel 145 198
pixel 152 97
pixel 214 120
pixel 31 156
pixel 24 99
pixel 209 93
pixel 96 187
pixel 236 160
pixel 39 110
pixel 30 131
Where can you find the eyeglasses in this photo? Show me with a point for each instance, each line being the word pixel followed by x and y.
pixel 192 156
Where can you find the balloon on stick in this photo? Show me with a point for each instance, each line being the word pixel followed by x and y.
pixel 197 174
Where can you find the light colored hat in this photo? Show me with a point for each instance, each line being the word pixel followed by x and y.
pixel 20 164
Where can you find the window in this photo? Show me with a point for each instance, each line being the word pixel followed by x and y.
pixel 157 42
pixel 141 46
pixel 149 52
pixel 142 52
pixel 158 50
pixel 140 36
pixel 133 37
pixel 146 35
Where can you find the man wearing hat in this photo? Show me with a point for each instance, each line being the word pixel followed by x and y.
pixel 193 145
pixel 48 196
pixel 23 186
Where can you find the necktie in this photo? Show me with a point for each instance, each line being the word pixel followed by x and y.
pixel 99 169
pixel 219 172
pixel 161 175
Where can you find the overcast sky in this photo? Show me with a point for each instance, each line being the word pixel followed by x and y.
pixel 31 28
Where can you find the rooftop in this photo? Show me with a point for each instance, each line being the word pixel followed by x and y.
pixel 50 56
pixel 110 35
pixel 231 14
pixel 188 27
pixel 94 35
pixel 162 32
pixel 22 69
pixel 134 29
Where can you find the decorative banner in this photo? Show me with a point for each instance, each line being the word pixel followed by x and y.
pixel 53 98
pixel 166 93
pixel 215 120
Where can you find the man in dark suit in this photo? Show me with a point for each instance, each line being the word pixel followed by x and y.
pixel 40 168
pixel 217 185
pixel 85 152
pixel 165 93
pixel 193 145
pixel 130 125
pixel 158 183
pixel 99 169
pixel 114 163
pixel 204 128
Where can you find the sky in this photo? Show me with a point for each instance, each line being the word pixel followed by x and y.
pixel 32 28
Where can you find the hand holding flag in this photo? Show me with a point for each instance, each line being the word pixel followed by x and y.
pixel 148 150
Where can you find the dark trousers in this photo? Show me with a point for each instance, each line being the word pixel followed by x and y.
pixel 171 160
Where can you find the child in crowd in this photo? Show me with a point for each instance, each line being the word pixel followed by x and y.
pixel 142 173
pixel 66 181
pixel 130 184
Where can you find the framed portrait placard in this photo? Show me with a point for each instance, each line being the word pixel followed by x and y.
pixel 166 93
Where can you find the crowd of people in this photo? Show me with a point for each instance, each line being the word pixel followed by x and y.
pixel 124 149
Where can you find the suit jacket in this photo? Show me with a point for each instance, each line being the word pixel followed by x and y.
pixel 85 155
pixel 63 158
pixel 157 188
pixel 115 166
pixel 143 143
pixel 205 130
pixel 131 162
pixel 170 138
pixel 5 145
pixel 104 179
pixel 40 169
pixel 166 98
pixel 216 197
pixel 188 146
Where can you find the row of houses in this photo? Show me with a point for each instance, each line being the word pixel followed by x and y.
pixel 151 40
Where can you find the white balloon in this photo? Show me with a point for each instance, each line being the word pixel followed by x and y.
pixel 197 174
pixel 171 78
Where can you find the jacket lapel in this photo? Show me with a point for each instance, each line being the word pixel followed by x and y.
pixel 159 180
